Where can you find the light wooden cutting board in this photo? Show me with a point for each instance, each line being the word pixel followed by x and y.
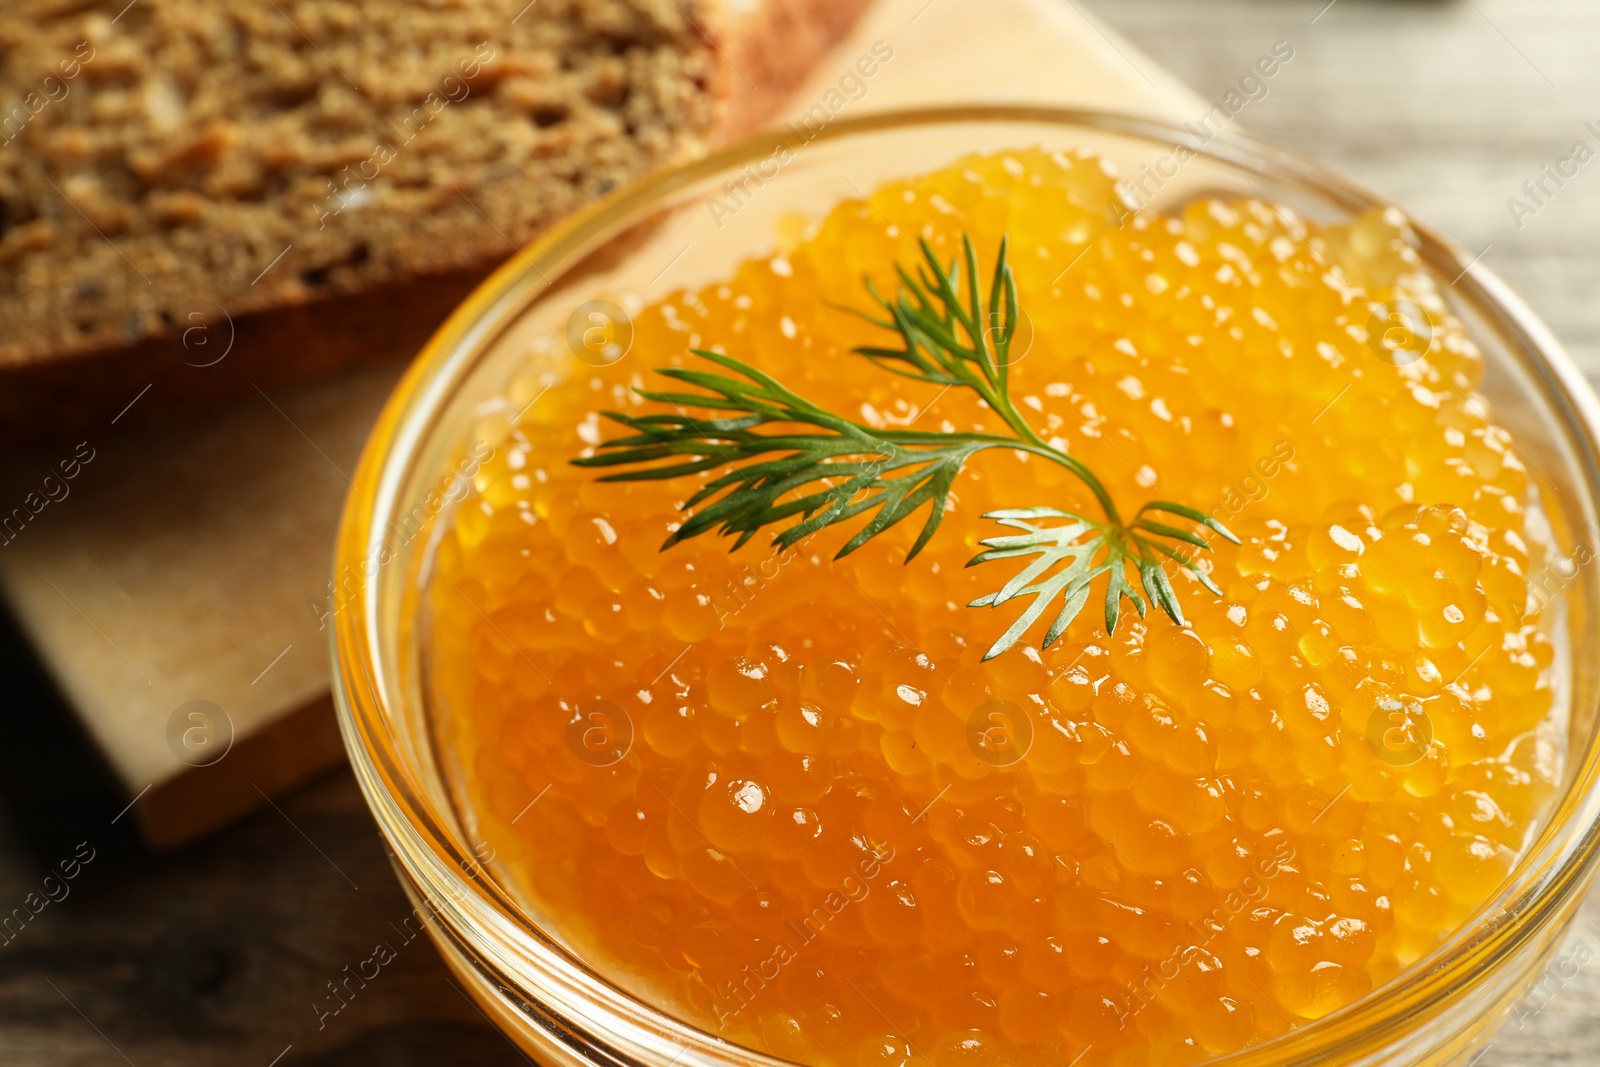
pixel 175 585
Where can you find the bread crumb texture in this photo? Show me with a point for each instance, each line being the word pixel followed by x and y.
pixel 246 154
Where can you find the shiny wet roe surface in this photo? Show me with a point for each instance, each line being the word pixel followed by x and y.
pixel 835 834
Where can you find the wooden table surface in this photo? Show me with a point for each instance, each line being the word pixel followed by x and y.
pixel 1444 108
pixel 218 953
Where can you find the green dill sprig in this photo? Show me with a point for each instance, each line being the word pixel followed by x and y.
pixel 789 458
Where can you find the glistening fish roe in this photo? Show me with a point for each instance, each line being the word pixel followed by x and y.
pixel 782 796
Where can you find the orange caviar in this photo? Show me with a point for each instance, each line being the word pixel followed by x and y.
pixel 782 796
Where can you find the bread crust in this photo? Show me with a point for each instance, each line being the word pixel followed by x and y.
pixel 207 353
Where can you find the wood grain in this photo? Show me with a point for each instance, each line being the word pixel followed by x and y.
pixel 217 954
pixel 222 953
pixel 1445 109
pixel 1442 108
pixel 189 560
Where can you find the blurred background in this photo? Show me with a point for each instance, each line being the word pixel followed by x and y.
pixel 215 952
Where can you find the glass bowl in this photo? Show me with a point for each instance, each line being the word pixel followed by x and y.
pixel 691 225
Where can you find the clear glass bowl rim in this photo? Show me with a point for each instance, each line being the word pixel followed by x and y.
pixel 1545 887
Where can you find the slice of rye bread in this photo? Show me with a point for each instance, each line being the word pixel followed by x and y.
pixel 308 184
